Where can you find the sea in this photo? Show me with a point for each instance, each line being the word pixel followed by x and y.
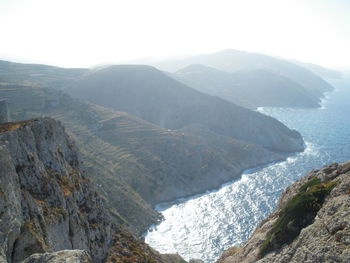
pixel 203 226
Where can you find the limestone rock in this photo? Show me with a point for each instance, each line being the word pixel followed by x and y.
pixel 325 239
pixel 48 204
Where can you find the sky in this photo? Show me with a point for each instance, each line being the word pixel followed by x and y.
pixel 84 33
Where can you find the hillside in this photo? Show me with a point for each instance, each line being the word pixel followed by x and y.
pixel 251 89
pixel 311 223
pixel 233 60
pixel 38 75
pixel 136 164
pixel 47 203
pixel 153 96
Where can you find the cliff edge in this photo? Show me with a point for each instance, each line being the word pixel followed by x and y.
pixel 49 211
pixel 311 223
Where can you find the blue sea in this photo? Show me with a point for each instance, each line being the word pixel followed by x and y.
pixel 204 226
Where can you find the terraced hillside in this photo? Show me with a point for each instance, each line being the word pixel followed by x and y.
pixel 153 96
pixel 136 164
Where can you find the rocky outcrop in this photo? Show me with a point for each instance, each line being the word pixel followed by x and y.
pixel 311 224
pixel 47 204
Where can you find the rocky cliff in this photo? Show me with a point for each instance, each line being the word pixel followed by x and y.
pixel 311 223
pixel 47 204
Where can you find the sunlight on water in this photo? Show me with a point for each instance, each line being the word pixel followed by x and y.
pixel 202 227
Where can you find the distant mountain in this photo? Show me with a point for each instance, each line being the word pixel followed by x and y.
pixel 252 89
pixel 319 70
pixel 233 60
pixel 153 96
pixel 39 75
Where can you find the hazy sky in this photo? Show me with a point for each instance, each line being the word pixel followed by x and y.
pixel 81 33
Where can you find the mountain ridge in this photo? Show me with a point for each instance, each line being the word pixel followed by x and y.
pixel 231 60
pixel 247 88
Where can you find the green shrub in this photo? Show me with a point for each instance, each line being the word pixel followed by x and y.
pixel 298 213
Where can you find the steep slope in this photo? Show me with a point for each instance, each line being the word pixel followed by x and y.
pixel 151 95
pixel 311 224
pixel 233 60
pixel 47 203
pixel 252 89
pixel 135 163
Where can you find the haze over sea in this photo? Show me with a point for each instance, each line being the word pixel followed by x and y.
pixel 203 226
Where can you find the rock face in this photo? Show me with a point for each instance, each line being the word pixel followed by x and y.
pixel 318 230
pixel 47 204
pixel 4 111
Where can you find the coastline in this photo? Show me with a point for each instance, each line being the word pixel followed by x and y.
pixel 166 205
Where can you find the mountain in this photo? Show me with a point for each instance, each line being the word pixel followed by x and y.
pixel 251 89
pixel 136 164
pixel 233 60
pixel 311 223
pixel 320 71
pixel 153 96
pixel 47 203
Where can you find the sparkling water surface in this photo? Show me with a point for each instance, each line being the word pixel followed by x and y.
pixel 205 225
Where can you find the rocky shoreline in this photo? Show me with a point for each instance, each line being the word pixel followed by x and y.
pixel 321 236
